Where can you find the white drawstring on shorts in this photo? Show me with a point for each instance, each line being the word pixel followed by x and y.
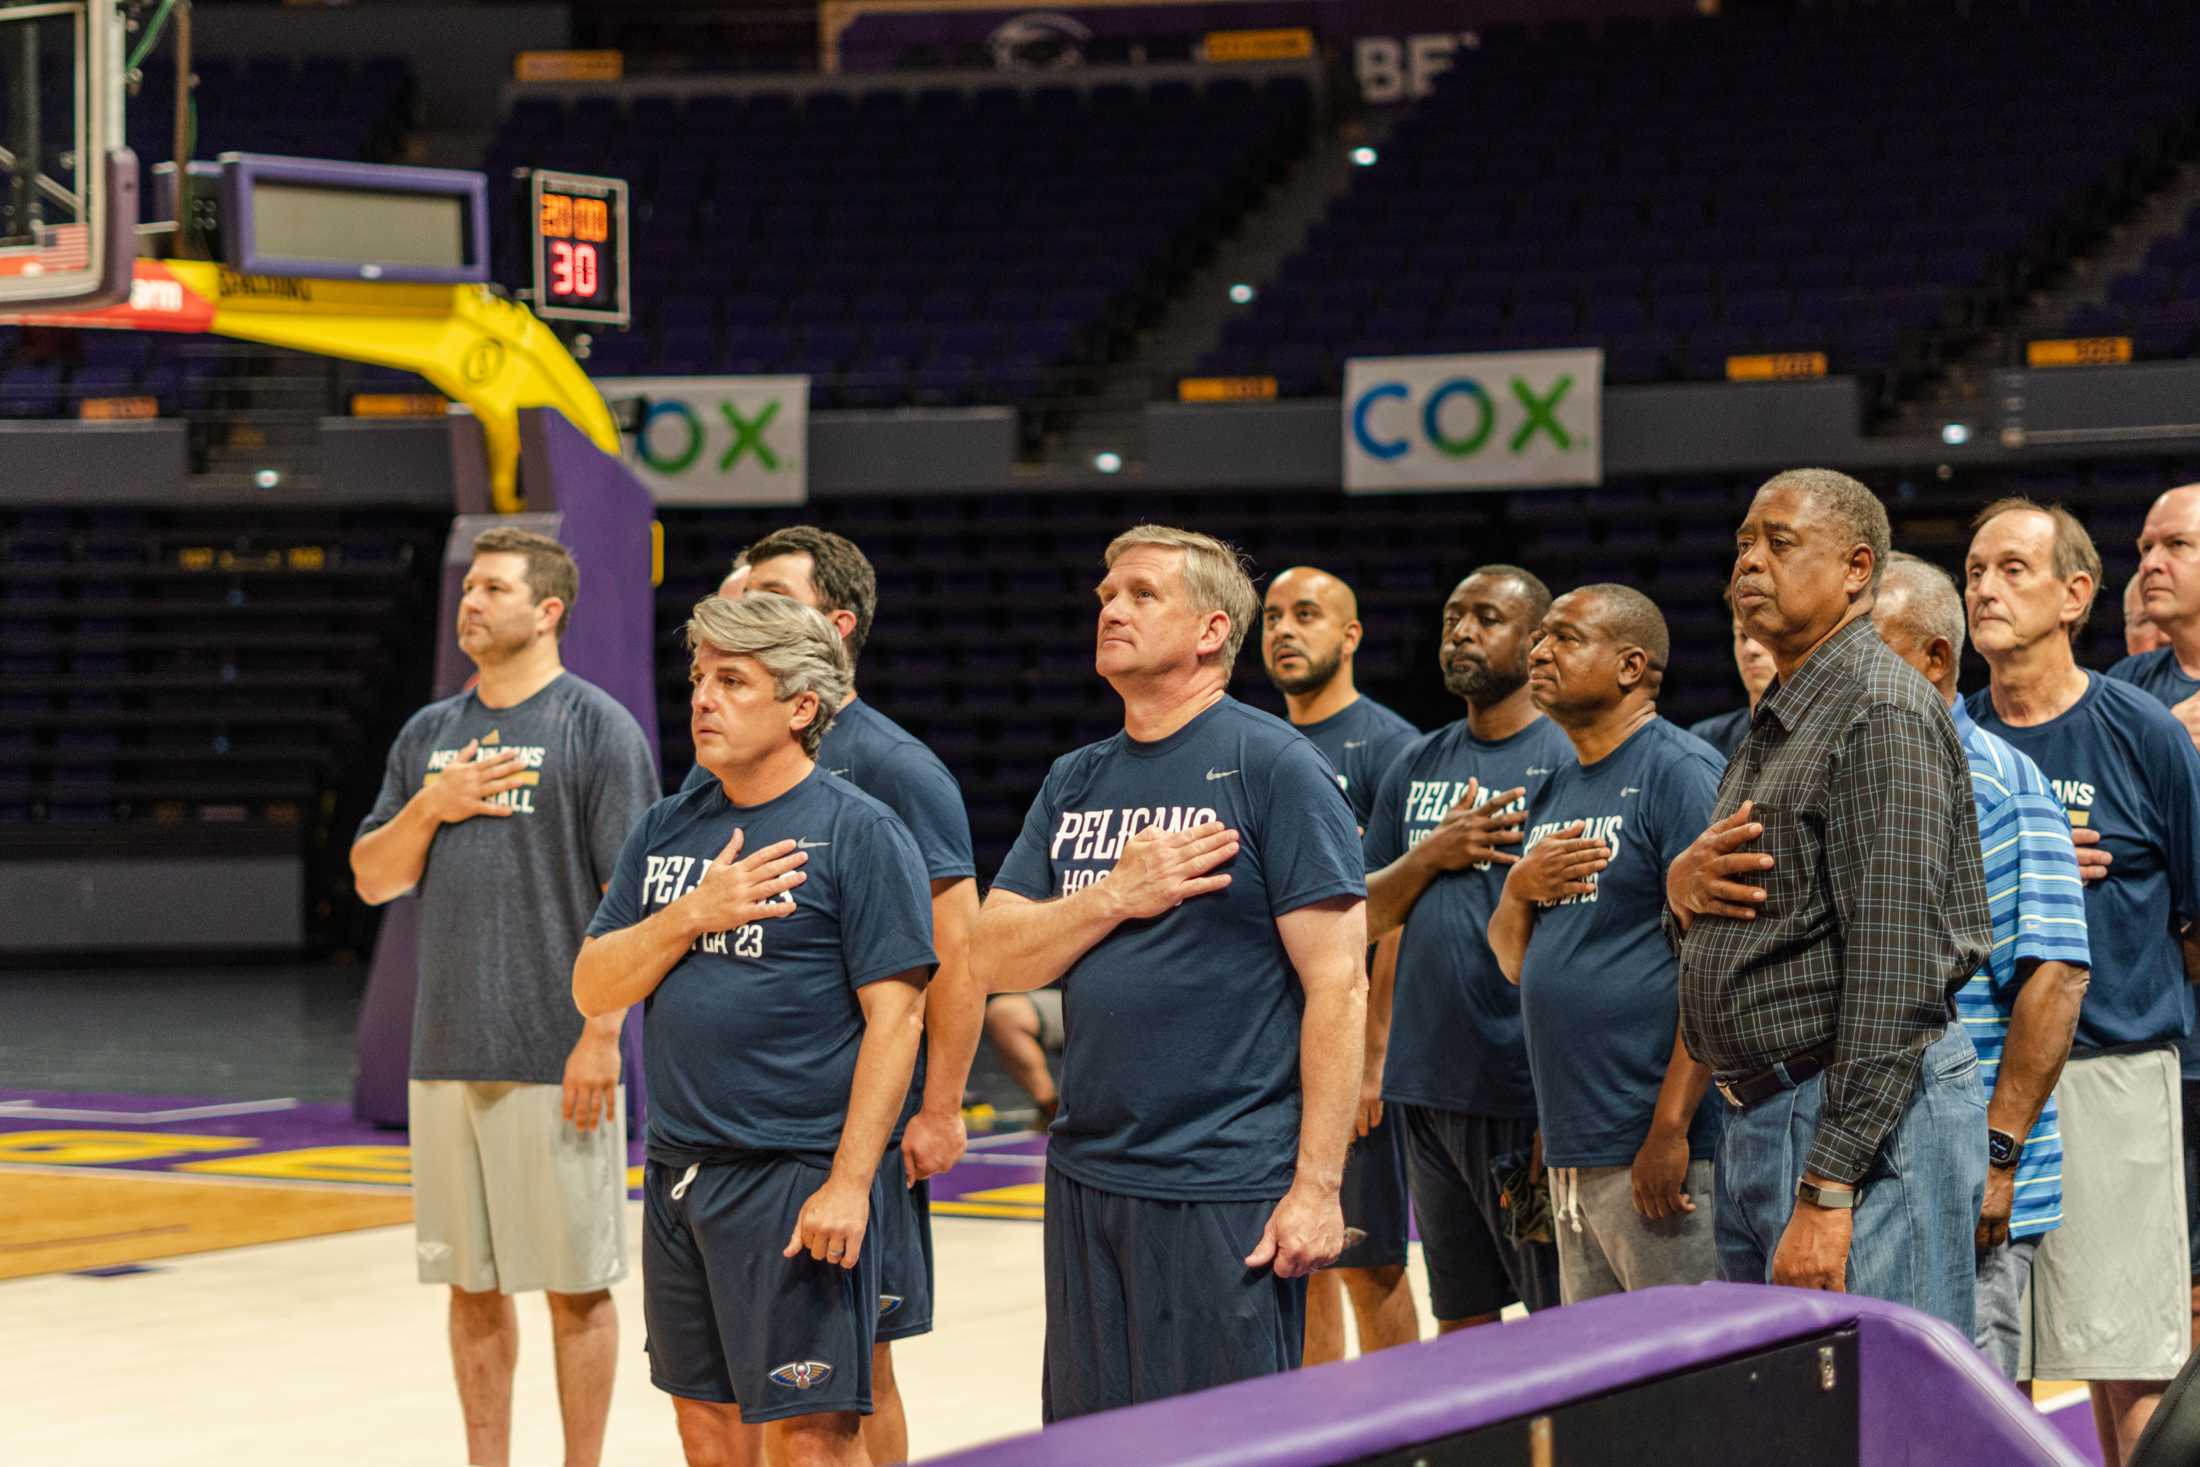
pixel 1566 1195
pixel 680 1188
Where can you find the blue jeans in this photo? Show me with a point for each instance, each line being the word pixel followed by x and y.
pixel 1914 1224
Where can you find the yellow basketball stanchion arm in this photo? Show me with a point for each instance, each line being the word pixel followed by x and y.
pixel 477 348
pixel 473 345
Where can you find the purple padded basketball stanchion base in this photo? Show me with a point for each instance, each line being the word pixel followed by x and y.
pixel 1926 1398
pixel 591 503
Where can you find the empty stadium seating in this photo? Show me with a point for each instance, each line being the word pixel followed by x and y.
pixel 940 248
pixel 206 676
pixel 2157 305
pixel 983 641
pixel 315 107
pixel 1880 187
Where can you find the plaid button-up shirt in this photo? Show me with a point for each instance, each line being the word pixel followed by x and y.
pixel 1875 911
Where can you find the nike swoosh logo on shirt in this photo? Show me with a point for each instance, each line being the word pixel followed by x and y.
pixel 1220 774
pixel 1633 789
pixel 1355 743
pixel 811 845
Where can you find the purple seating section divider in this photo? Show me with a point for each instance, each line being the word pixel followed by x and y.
pixel 1927 1398
pixel 591 503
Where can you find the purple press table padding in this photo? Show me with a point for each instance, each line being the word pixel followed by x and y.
pixel 1926 1397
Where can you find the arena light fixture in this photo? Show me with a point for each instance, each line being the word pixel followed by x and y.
pixel 1363 157
pixel 267 478
pixel 1242 293
pixel 1955 435
pixel 1108 461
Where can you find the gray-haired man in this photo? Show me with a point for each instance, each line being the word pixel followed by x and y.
pixel 778 925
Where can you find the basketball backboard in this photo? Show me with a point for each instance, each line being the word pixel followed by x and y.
pixel 68 188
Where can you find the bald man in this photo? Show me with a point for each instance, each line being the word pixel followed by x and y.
pixel 1310 630
pixel 1628 1131
pixel 2141 635
pixel 2169 599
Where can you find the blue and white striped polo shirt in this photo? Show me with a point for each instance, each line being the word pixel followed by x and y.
pixel 2038 909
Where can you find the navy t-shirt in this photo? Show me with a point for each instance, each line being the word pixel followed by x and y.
pixel 892 765
pixel 1455 1041
pixel 1724 731
pixel 2123 766
pixel 1180 1075
pixel 1600 987
pixel 750 1041
pixel 1360 740
pixel 2158 672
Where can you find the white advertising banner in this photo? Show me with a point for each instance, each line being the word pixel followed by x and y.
pixel 1494 420
pixel 720 440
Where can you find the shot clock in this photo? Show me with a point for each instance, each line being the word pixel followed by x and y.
pixel 580 247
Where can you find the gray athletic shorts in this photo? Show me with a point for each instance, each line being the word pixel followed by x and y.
pixel 1047 1003
pixel 1605 1246
pixel 508 1195
pixel 2111 1287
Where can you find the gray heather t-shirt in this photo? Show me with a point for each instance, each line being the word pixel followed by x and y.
pixel 504 900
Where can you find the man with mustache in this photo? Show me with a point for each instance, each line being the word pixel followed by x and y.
pixel 1627 1130
pixel 1827 918
pixel 1310 631
pixel 504 806
pixel 1442 834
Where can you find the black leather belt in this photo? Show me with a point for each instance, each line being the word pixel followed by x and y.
pixel 1744 1091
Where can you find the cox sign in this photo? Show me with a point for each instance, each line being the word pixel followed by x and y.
pixel 1473 422
pixel 719 440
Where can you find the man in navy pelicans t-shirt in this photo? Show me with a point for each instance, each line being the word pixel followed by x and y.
pixel 1627 1132
pixel 1447 824
pixel 1309 641
pixel 779 927
pixel 830 574
pixel 1195 882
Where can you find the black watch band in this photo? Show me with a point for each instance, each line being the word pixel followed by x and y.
pixel 2003 1151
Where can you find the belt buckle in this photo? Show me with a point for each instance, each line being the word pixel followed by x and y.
pixel 1726 1091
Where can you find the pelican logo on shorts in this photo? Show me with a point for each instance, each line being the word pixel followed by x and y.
pixel 802 1374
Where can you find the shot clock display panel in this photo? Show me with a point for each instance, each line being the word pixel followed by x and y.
pixel 580 247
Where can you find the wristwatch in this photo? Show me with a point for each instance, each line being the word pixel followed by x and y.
pixel 2003 1151
pixel 1841 1197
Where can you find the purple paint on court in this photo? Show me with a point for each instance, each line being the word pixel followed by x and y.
pixel 2076 1425
pixel 1006 1159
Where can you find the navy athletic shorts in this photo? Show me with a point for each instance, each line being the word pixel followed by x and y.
pixel 904 1233
pixel 1149 1298
pixel 1374 1197
pixel 1471 1268
pixel 729 1319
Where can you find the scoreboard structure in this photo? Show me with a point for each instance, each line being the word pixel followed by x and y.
pixel 578 247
